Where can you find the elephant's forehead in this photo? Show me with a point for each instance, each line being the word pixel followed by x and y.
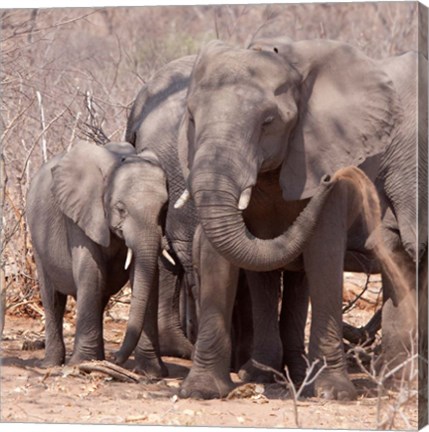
pixel 235 66
pixel 227 96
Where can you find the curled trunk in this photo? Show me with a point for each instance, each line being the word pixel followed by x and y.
pixel 223 224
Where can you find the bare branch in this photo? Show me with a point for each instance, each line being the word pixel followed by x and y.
pixel 115 371
pixel 42 121
pixel 38 138
pixel 42 29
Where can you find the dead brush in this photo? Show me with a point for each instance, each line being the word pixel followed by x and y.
pixel 396 385
pixel 285 380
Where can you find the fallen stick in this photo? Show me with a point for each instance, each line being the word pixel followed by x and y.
pixel 116 372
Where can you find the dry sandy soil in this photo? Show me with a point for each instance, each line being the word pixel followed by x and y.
pixel 66 395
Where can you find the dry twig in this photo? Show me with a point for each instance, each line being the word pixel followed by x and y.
pixel 116 372
pixel 309 379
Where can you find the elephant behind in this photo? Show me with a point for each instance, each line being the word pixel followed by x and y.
pixel 153 125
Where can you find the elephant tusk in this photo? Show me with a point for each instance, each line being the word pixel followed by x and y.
pixel 168 256
pixel 244 200
pixel 184 198
pixel 129 258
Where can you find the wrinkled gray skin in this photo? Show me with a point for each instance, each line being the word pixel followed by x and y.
pixel 153 124
pixel 84 209
pixel 397 189
pixel 276 118
pixel 402 185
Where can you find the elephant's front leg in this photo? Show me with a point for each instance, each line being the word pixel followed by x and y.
pixel 324 261
pixel 90 278
pixel 172 339
pixel 209 376
pixel 267 346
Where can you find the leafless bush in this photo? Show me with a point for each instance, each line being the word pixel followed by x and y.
pixel 312 373
pixel 397 385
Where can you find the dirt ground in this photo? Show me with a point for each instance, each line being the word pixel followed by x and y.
pixel 66 395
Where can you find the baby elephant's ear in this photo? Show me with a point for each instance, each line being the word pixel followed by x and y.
pixel 78 187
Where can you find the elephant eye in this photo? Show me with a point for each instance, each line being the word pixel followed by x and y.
pixel 121 209
pixel 268 120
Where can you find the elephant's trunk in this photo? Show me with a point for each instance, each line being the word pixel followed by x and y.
pixel 217 197
pixel 144 279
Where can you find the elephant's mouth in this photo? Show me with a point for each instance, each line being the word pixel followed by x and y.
pixel 118 232
pixel 270 165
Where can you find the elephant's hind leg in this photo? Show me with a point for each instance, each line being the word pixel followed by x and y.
pixel 293 317
pixel 54 304
pixel 267 345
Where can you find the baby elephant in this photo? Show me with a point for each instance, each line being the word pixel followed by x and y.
pixel 85 209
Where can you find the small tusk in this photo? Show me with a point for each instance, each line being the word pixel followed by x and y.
pixel 168 256
pixel 184 198
pixel 129 258
pixel 244 200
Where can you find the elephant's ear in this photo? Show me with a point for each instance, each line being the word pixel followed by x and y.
pixel 347 112
pixel 78 186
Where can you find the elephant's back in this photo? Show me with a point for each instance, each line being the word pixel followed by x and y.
pixel 155 107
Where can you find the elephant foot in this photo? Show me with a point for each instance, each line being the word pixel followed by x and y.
pixel 250 372
pixel 175 344
pixel 335 385
pixel 49 362
pixel 152 368
pixel 150 365
pixel 55 354
pixel 80 357
pixel 205 385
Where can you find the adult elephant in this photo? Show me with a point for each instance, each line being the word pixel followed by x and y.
pixel 401 183
pixel 152 126
pixel 262 127
pixel 85 209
